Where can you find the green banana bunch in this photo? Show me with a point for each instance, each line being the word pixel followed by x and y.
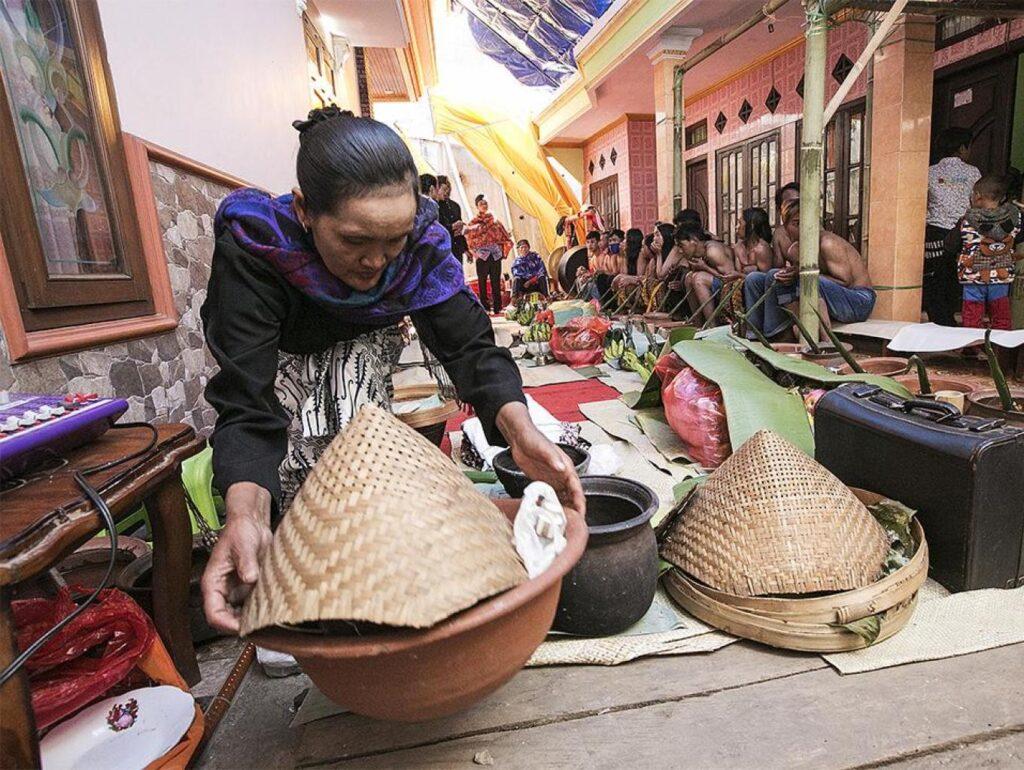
pixel 650 360
pixel 631 362
pixel 614 347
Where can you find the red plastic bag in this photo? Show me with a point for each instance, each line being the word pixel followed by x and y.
pixel 696 412
pixel 581 341
pixel 87 657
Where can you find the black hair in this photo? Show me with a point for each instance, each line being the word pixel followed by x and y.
pixel 950 140
pixel 634 238
pixel 757 225
pixel 618 233
pixel 648 240
pixel 688 231
pixel 560 225
pixel 478 198
pixel 441 180
pixel 593 235
pixel 687 215
pixel 782 191
pixel 426 182
pixel 342 156
pixel 993 186
pixel 667 241
pixel 521 241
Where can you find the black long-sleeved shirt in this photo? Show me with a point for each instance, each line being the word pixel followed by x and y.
pixel 251 313
pixel 448 213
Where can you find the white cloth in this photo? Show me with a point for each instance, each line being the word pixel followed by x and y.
pixel 604 460
pixel 541 417
pixel 539 529
pixel 949 191
pixel 932 338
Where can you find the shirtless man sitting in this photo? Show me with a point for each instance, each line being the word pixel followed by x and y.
pixel 846 294
pixel 780 238
pixel 710 265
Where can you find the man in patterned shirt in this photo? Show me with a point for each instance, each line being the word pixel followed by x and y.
pixel 949 195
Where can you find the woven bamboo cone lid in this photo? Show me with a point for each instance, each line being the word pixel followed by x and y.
pixel 385 529
pixel 770 520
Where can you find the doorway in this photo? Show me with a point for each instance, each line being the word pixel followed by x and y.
pixel 697 188
pixel 979 98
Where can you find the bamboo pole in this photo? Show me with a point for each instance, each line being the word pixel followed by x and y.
pixel 677 139
pixel 865 180
pixel 865 56
pixel 810 160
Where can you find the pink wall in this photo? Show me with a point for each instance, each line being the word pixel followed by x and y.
pixel 784 72
pixel 615 137
pixel 983 41
pixel 632 140
pixel 643 176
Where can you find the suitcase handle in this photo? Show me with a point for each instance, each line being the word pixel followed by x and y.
pixel 940 408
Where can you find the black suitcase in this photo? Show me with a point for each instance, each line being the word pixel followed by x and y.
pixel 964 476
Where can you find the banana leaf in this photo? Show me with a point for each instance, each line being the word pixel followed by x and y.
pixel 809 370
pixel 752 401
pixel 650 395
pixel 654 425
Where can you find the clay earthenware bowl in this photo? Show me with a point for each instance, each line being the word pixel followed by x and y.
pixel 985 403
pixel 410 675
pixel 887 366
pixel 613 585
pixel 913 384
pixel 515 481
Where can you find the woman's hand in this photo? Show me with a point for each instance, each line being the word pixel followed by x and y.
pixel 538 458
pixel 234 564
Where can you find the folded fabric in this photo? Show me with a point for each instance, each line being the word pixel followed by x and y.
pixel 541 417
pixel 539 528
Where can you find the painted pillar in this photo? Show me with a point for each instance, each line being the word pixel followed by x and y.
pixel 668 54
pixel 900 139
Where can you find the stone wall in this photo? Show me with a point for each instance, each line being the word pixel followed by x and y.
pixel 162 377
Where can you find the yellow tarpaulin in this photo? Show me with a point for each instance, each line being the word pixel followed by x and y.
pixel 508 148
pixel 422 166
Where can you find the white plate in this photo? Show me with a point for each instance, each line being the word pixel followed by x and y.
pixel 127 731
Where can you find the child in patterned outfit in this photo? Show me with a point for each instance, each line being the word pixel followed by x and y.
pixel 990 233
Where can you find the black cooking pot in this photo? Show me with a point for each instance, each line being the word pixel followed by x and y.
pixel 515 481
pixel 613 585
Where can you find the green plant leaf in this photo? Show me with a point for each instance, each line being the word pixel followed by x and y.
pixel 683 488
pixel 867 628
pixel 752 401
pixel 895 517
pixel 809 370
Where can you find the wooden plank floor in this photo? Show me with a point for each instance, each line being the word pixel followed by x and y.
pixel 743 706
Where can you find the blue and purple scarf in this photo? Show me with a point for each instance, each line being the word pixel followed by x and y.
pixel 423 275
pixel 530 266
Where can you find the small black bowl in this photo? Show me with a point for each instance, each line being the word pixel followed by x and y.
pixel 515 481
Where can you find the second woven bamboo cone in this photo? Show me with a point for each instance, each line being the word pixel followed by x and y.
pixel 386 530
pixel 771 520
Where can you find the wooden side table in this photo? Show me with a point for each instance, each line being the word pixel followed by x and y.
pixel 47 518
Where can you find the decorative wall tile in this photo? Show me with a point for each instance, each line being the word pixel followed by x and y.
pixel 161 377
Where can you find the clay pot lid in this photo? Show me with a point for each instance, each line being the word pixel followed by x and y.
pixel 770 520
pixel 385 530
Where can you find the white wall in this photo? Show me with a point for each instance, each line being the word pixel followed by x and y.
pixel 218 81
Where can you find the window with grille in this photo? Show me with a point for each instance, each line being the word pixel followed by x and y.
pixel 697 134
pixel 605 196
pixel 952 29
pixel 748 176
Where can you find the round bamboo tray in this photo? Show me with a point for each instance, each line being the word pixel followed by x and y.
pixel 809 624
pixel 429 422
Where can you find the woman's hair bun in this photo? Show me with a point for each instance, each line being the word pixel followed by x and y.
pixel 320 115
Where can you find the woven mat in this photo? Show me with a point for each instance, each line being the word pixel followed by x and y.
pixel 613 650
pixel 945 628
pixel 552 374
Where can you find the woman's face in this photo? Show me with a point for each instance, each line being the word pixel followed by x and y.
pixel 481 207
pixel 362 235
pixel 657 243
pixel 741 230
pixel 522 249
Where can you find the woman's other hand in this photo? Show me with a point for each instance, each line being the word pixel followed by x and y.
pixel 538 458
pixel 234 563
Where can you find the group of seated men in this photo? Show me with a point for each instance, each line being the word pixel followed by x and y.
pixel 681 263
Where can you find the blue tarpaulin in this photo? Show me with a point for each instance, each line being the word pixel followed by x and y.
pixel 533 39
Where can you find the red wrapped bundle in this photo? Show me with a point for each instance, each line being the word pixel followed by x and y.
pixel 84 659
pixel 695 410
pixel 581 341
